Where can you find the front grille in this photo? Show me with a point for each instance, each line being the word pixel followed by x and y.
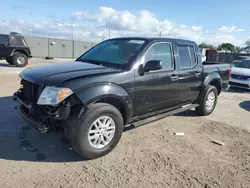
pixel 30 91
pixel 239 85
pixel 240 77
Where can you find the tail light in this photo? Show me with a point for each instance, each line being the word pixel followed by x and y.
pixel 229 73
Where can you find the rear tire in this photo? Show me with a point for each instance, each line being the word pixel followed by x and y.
pixel 85 132
pixel 9 60
pixel 208 102
pixel 49 58
pixel 20 60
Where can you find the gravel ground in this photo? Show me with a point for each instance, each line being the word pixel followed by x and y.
pixel 148 156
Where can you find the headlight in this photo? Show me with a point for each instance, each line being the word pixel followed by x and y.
pixel 53 95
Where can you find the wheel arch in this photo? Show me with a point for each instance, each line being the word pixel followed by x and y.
pixel 216 83
pixel 107 93
pixel 23 51
pixel 213 79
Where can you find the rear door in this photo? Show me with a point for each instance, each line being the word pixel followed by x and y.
pixel 4 41
pixel 190 73
pixel 157 90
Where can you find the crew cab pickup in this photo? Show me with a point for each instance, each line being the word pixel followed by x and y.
pixel 117 83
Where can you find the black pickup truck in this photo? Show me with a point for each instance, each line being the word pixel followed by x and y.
pixel 119 82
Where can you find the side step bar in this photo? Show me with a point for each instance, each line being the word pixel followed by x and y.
pixel 160 116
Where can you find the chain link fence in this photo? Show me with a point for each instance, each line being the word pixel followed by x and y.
pixel 230 57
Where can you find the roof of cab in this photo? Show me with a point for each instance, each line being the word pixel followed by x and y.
pixel 152 39
pixel 11 34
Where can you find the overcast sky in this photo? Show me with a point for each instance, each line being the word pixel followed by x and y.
pixel 211 21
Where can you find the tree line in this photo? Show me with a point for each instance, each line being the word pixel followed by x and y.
pixel 224 46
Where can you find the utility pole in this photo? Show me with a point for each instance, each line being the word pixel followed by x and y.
pixel 82 35
pixel 30 14
pixel 109 25
pixel 72 27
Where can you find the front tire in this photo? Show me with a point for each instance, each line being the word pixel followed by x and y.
pixel 97 131
pixel 208 102
pixel 20 60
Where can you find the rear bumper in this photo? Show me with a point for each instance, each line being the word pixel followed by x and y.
pixel 244 84
pixel 227 88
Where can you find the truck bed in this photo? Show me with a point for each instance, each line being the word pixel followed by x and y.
pixel 217 67
pixel 212 62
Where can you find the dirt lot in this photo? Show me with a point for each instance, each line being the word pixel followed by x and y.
pixel 149 156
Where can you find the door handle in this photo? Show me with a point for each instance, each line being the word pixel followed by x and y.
pixel 197 74
pixel 174 77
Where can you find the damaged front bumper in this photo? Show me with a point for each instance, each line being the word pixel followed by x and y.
pixel 32 121
pixel 43 118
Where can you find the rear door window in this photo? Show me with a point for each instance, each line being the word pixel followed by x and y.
pixel 187 56
pixel 192 55
pixel 4 40
pixel 19 41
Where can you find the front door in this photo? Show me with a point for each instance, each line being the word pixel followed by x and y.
pixel 157 90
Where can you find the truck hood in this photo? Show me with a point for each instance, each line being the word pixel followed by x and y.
pixel 58 73
pixel 241 71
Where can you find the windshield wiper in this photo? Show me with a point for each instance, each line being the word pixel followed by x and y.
pixel 90 61
pixel 102 63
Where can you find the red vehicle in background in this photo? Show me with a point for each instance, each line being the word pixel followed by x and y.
pixel 209 55
pixel 212 55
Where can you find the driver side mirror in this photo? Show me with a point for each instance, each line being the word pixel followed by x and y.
pixel 153 65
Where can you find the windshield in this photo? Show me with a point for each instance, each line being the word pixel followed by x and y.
pixel 116 53
pixel 243 64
